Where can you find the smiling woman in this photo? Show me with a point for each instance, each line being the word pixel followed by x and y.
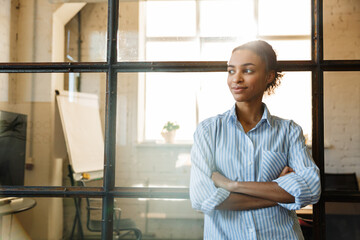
pixel 247 159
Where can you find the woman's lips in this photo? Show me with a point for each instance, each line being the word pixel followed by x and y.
pixel 239 89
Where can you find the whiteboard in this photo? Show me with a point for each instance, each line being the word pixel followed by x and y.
pixel 80 118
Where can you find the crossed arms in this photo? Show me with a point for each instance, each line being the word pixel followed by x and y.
pixel 251 195
pixel 209 190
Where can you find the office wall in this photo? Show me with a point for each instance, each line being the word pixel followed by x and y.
pixel 29 39
pixel 342 89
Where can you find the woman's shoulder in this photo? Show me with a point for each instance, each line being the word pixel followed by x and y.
pixel 216 120
pixel 285 123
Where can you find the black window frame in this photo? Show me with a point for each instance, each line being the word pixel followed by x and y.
pixel 317 65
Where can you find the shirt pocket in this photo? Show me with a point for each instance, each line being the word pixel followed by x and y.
pixel 272 164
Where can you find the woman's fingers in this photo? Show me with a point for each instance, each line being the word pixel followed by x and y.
pixel 286 170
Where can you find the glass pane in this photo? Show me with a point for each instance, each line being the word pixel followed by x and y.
pixel 292 49
pixel 219 18
pixel 341 30
pixel 41 136
pixel 48 32
pixel 209 30
pixel 168 18
pixel 176 51
pixel 292 100
pixel 218 51
pixel 342 220
pixel 342 122
pixel 163 219
pixel 282 17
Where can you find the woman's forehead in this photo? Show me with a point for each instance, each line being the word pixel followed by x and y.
pixel 244 57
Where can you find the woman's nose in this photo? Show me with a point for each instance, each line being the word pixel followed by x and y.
pixel 237 78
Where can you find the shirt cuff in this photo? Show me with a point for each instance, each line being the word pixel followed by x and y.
pixel 208 206
pixel 297 187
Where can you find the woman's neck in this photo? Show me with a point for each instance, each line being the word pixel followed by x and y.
pixel 249 114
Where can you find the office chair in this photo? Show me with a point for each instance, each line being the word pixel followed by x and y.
pixel 121 226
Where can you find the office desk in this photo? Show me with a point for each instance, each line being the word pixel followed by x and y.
pixel 305 211
pixel 16 205
pixel 10 206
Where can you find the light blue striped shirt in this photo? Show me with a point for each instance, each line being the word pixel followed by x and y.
pixel 220 144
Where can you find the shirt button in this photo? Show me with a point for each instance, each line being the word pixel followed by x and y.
pixel 250 163
pixel 251 230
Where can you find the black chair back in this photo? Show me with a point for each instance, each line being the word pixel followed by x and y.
pixel 341 182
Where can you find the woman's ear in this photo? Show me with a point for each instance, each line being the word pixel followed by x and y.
pixel 270 77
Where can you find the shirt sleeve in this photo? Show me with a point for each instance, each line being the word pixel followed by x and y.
pixel 304 183
pixel 204 195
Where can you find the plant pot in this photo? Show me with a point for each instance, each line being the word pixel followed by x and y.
pixel 169 136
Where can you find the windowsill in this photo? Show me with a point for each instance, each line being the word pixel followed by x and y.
pixel 326 145
pixel 162 144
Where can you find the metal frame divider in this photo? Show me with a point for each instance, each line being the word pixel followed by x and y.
pixel 111 67
pixel 318 111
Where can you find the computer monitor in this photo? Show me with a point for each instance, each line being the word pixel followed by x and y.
pixel 12 148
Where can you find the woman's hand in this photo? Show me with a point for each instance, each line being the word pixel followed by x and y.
pixel 286 171
pixel 221 181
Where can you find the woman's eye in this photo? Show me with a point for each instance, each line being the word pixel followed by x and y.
pixel 248 71
pixel 231 71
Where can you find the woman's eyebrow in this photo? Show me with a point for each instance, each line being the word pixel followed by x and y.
pixel 248 64
pixel 243 65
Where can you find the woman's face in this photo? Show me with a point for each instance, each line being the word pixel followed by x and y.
pixel 247 76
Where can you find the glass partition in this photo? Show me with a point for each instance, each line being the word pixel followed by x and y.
pixel 53 32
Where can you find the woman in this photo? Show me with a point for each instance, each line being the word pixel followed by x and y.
pixel 251 170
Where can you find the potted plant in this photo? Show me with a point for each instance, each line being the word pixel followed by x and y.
pixel 169 130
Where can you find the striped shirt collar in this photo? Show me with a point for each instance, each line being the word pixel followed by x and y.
pixel 265 117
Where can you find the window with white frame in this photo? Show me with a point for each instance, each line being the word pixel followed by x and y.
pixel 208 30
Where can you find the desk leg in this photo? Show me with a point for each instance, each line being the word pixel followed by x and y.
pixel 6 227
